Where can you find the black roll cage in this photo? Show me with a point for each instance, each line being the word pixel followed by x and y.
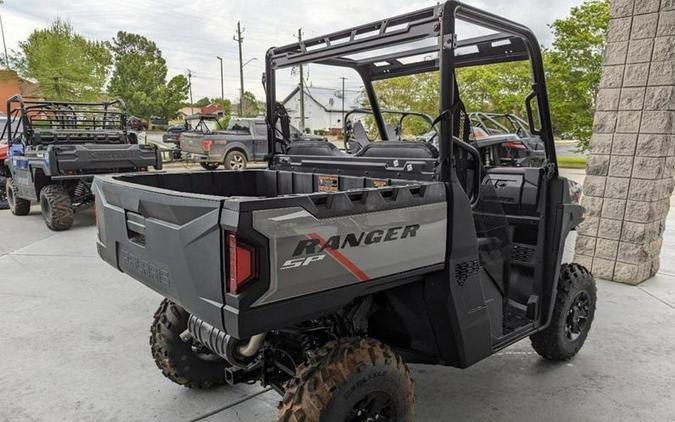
pixel 63 115
pixel 510 42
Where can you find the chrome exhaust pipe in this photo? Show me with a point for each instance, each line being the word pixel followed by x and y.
pixel 251 348
pixel 236 352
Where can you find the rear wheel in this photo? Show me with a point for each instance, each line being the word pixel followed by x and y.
pixel 57 207
pixel 18 206
pixel 235 160
pixel 183 362
pixel 572 315
pixel 3 193
pixel 209 166
pixel 353 379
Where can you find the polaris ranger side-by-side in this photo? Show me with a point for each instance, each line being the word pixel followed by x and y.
pixel 56 148
pixel 326 274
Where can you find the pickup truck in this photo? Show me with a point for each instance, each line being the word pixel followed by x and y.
pixel 242 141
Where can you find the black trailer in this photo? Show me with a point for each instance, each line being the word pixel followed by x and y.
pixel 56 149
pixel 326 274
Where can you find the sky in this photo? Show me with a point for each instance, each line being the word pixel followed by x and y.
pixel 191 33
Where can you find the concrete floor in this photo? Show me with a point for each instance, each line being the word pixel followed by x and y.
pixel 74 347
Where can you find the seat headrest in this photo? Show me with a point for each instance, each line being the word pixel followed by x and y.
pixel 399 149
pixel 322 148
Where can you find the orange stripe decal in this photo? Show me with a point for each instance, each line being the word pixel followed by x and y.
pixel 343 260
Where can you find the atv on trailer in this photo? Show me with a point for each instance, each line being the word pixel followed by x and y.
pixel 325 275
pixel 56 148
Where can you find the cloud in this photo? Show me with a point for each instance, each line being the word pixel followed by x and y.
pixel 191 34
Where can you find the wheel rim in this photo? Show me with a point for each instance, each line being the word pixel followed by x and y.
pixel 375 407
pixel 237 162
pixel 577 316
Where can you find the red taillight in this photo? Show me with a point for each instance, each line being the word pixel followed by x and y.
pixel 206 145
pixel 241 264
pixel 514 145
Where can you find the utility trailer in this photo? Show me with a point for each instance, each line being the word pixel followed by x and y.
pixel 56 149
pixel 326 274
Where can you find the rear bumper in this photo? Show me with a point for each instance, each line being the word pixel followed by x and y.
pixel 198 158
pixel 104 157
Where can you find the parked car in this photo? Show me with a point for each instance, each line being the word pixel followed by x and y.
pixel 4 153
pixel 137 124
pixel 173 133
pixel 242 141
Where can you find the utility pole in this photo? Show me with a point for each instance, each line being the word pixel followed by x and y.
pixel 302 90
pixel 192 107
pixel 2 28
pixel 343 100
pixel 238 38
pixel 222 86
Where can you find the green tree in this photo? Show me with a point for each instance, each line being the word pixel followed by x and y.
pixel 251 107
pixel 66 65
pixel 407 93
pixel 227 110
pixel 574 68
pixel 173 95
pixel 139 77
pixel 202 102
pixel 496 88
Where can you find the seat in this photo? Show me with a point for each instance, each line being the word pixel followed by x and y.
pixel 399 149
pixel 359 134
pixel 316 148
pixel 391 132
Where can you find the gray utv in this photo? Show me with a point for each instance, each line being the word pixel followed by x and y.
pixel 325 275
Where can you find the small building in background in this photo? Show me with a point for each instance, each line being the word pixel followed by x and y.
pixel 323 107
pixel 212 109
pixel 12 84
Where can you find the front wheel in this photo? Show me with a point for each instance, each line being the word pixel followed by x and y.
pixel 235 160
pixel 352 379
pixel 572 315
pixel 18 206
pixel 183 362
pixel 57 207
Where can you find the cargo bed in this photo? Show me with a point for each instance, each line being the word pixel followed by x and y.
pixel 258 250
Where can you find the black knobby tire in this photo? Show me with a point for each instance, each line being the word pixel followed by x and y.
pixel 352 379
pixel 573 314
pixel 209 166
pixel 3 193
pixel 18 206
pixel 57 207
pixel 178 360
pixel 235 160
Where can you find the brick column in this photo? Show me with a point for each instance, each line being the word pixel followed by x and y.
pixel 629 177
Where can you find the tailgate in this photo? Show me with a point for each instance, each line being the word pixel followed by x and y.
pixel 191 143
pixel 171 242
pixel 102 156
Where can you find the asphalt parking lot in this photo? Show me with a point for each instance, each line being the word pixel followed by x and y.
pixel 74 347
